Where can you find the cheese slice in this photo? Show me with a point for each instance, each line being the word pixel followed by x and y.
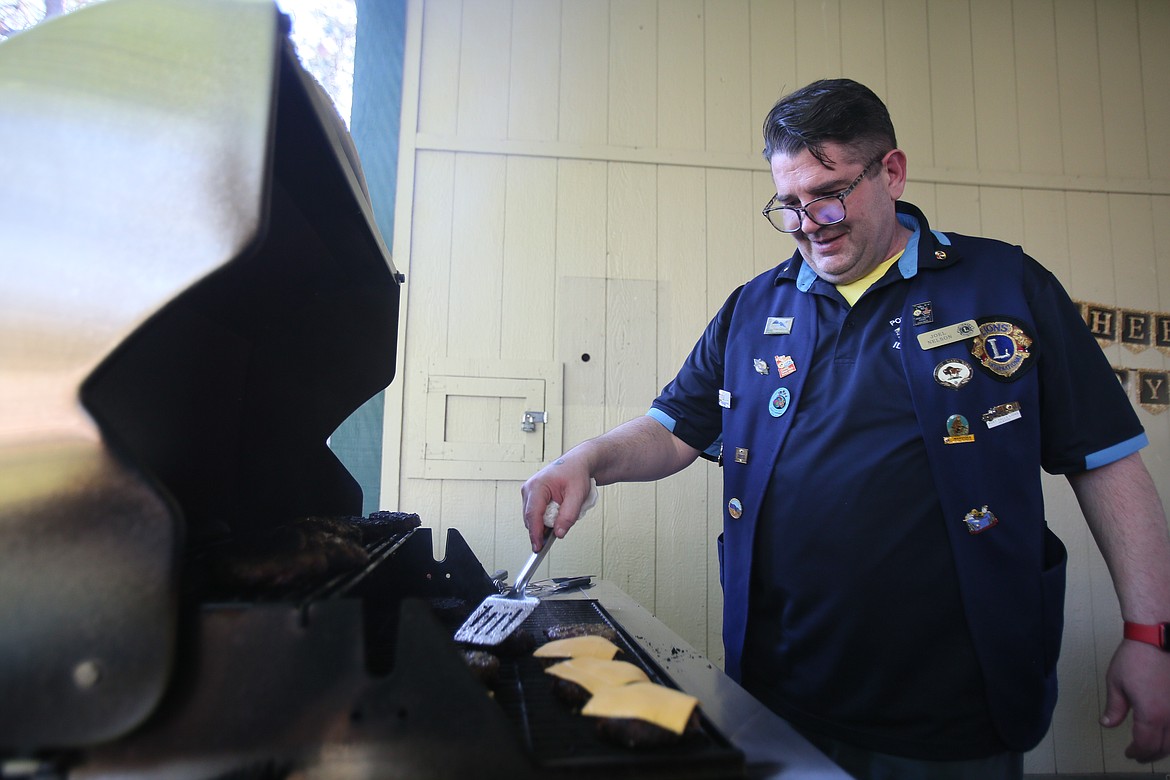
pixel 593 674
pixel 646 701
pixel 578 647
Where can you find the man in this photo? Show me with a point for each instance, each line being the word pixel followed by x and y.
pixel 882 404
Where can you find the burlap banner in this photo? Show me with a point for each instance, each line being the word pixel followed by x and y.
pixel 1151 388
pixel 1135 330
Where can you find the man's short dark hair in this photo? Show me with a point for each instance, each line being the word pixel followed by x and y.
pixel 830 110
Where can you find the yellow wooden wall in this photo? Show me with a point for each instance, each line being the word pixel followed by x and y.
pixel 583 177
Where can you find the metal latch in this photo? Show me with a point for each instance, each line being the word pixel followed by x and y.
pixel 530 419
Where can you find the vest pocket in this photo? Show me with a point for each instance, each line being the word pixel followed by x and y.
pixel 1053 584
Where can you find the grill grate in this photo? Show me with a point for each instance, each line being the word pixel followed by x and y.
pixel 561 739
pixel 303 590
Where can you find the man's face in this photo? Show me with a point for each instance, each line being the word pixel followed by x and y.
pixel 869 234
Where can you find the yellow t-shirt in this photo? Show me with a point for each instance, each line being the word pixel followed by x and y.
pixel 853 291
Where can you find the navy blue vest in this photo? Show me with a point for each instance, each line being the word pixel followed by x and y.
pixel 1010 566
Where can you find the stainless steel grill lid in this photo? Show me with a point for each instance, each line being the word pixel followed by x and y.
pixel 194 296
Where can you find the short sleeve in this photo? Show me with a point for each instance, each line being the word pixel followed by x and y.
pixel 1086 418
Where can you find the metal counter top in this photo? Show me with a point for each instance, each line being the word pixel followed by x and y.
pixel 772 748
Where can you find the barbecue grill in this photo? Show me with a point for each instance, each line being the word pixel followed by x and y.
pixel 195 296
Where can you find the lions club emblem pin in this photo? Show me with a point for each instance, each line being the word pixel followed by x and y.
pixel 1003 348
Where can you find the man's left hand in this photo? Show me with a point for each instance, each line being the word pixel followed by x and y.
pixel 1139 679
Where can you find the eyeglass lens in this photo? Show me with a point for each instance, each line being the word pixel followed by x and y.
pixel 828 210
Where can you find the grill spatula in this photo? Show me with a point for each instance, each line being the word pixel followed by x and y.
pixel 498 616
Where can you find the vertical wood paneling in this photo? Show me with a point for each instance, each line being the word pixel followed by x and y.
pixel 581 326
pixel 1045 233
pixel 1092 278
pixel 769 247
pixel 484 68
pixel 534 70
pixel 681 554
pixel 1132 227
pixel 1139 233
pixel 438 108
pixel 771 41
pixel 1037 87
pixel 1158 426
pixel 682 265
pixel 631 316
pixel 633 194
pixel 681 505
pixel 1121 73
pixel 1078 668
pixel 1001 214
pixel 681 93
pixel 730 213
pixel 477 244
pixel 1106 622
pixel 427 302
pixel 1079 71
pixel 921 194
pixel 528 264
pixel 1090 245
pixel 715 649
pixel 952 84
pixel 993 54
pixel 863 47
pixel 584 73
pixel 431 248
pixel 908 78
pixel 582 220
pixel 957 208
pixel 728 87
pixel 1153 22
pixel 581 335
pixel 511 537
pixel 633 56
pixel 629 533
pixel 470 507
pixel 581 341
pixel 473 330
pixel 818 46
pixel 527 330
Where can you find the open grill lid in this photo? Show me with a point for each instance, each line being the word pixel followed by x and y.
pixel 195 295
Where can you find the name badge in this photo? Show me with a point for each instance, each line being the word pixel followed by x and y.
pixel 1004 413
pixel 951 333
pixel 778 326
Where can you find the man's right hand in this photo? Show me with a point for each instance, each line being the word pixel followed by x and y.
pixel 639 450
pixel 566 481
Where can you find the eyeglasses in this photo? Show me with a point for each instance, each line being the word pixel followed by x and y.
pixel 826 210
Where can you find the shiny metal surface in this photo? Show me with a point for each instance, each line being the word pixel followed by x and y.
pixel 134 137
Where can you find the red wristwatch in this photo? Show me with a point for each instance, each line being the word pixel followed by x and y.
pixel 1157 634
